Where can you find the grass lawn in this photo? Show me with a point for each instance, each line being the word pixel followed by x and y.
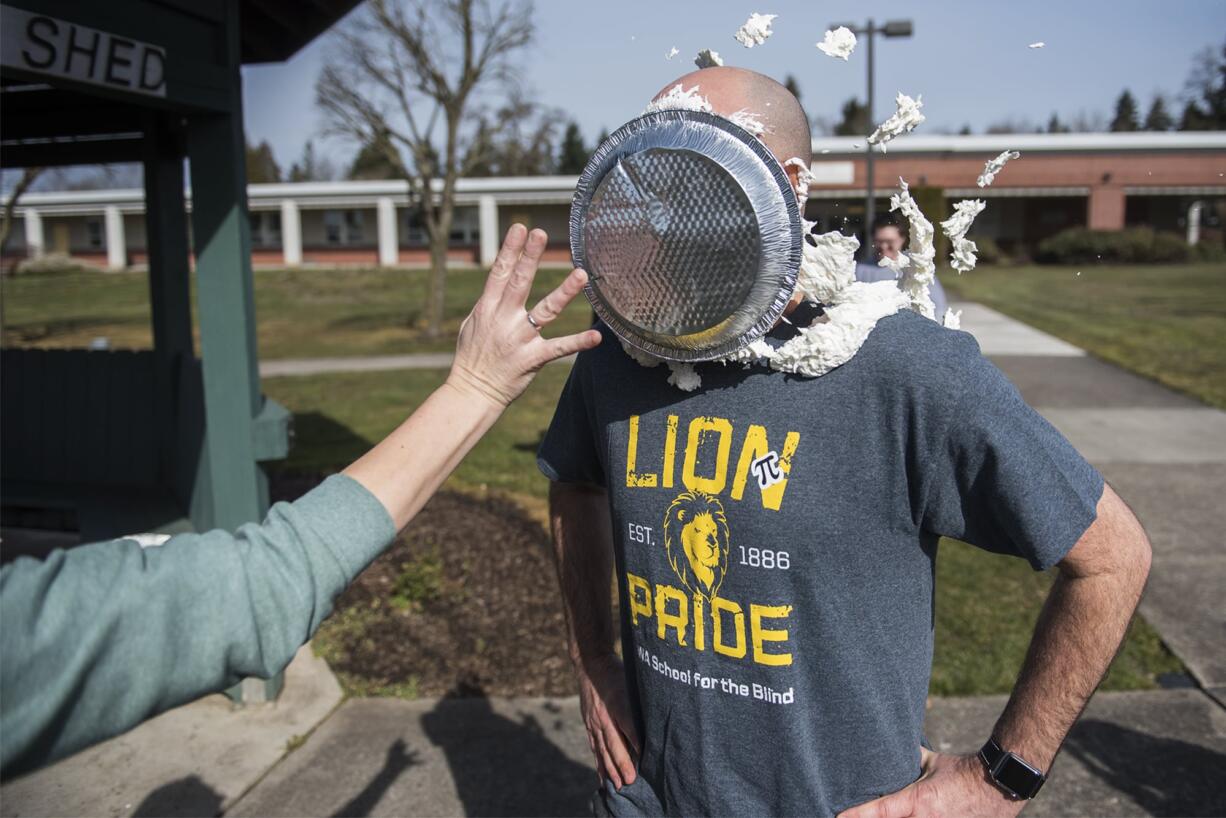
pixel 1165 322
pixel 986 604
pixel 301 313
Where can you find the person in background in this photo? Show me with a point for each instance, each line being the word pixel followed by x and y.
pixel 98 638
pixel 889 239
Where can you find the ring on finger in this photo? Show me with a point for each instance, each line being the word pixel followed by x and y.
pixel 533 322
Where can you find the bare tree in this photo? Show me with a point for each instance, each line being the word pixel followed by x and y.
pixel 406 70
pixel 27 178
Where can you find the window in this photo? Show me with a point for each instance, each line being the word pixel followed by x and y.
pixel 353 226
pixel 343 227
pixel 94 234
pixel 465 228
pixel 265 228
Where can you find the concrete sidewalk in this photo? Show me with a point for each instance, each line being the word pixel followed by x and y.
pixel 1147 753
pixel 1144 753
pixel 1163 452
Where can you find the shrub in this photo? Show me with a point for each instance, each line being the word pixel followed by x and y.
pixel 990 252
pixel 50 264
pixel 1136 245
pixel 1211 251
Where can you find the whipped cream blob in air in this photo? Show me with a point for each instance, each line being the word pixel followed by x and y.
pixel 708 59
pixel 994 167
pixel 917 267
pixel 962 256
pixel 838 43
pixel 672 52
pixel 902 121
pixel 755 30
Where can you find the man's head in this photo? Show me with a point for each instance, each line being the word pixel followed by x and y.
pixel 731 90
pixel 889 239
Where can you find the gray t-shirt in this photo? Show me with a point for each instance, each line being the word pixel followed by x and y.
pixel 775 540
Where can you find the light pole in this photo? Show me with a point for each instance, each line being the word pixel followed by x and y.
pixel 893 28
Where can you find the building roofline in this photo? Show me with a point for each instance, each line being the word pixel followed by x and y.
pixel 1040 142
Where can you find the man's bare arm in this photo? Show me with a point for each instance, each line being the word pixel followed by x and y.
pixel 583 551
pixel 1078 633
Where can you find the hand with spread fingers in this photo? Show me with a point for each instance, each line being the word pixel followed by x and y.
pixel 606 716
pixel 948 785
pixel 501 344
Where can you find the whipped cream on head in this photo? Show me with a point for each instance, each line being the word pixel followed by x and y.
pixel 755 30
pixel 748 121
pixel 708 59
pixel 962 255
pixel 902 121
pixel 804 177
pixel 994 166
pixel 838 43
pixel 679 99
pixel 916 267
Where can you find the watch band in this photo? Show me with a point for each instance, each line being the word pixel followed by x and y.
pixel 1009 772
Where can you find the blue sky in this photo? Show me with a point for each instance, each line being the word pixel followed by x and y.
pixel 969 59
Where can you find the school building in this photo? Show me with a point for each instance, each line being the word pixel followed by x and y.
pixel 1169 181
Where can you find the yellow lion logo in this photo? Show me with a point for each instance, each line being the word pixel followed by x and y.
pixel 696 541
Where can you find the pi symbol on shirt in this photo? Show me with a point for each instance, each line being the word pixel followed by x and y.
pixel 766 469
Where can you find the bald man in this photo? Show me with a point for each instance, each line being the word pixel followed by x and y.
pixel 774 540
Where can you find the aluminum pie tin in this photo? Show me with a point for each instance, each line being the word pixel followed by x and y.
pixel 690 233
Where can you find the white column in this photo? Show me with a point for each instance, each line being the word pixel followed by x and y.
pixel 487 229
pixel 116 249
pixel 389 243
pixel 291 233
pixel 35 243
pixel 1194 211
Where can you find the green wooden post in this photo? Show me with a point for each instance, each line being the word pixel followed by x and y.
pixel 226 303
pixel 170 304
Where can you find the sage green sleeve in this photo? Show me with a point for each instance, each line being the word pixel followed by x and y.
pixel 98 638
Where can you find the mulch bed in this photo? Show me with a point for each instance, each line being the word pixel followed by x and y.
pixel 491 622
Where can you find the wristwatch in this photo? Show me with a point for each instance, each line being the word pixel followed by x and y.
pixel 1017 778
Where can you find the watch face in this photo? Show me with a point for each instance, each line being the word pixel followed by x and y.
pixel 1018 776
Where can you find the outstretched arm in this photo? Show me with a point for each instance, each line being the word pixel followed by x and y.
pixel 100 637
pixel 583 548
pixel 1078 633
pixel 498 354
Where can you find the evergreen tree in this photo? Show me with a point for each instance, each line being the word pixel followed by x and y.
pixel 261 166
pixel 1054 125
pixel 1158 119
pixel 1194 119
pixel 855 119
pixel 792 85
pixel 1125 113
pixel 965 130
pixel 573 155
pixel 372 162
pixel 310 168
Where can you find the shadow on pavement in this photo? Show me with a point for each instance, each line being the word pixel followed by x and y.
pixel 1163 776
pixel 398 760
pixel 189 797
pixel 503 766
